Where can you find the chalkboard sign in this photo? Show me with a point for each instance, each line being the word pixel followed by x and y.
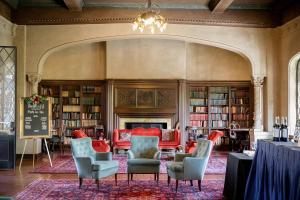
pixel 35 119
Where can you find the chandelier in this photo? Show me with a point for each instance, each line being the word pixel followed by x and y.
pixel 149 19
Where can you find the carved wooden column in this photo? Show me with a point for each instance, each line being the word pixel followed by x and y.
pixel 110 108
pixel 182 110
pixel 34 79
pixel 258 102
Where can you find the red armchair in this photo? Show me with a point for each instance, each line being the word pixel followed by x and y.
pixel 98 145
pixel 213 136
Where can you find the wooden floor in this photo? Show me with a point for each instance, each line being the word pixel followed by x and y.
pixel 14 181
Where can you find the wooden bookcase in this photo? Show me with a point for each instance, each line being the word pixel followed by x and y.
pixel 216 105
pixel 77 105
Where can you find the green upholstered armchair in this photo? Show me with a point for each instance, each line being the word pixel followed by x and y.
pixel 92 164
pixel 190 166
pixel 144 156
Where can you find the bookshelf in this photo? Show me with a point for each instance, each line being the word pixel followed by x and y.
pixel 77 105
pixel 215 106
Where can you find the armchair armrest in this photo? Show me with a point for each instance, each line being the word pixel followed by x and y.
pixel 103 156
pixel 115 135
pixel 180 156
pixel 130 154
pixel 194 167
pixel 157 155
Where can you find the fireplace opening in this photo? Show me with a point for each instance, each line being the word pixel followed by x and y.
pixel 131 125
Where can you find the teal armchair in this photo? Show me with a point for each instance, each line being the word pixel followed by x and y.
pixel 92 164
pixel 144 156
pixel 190 166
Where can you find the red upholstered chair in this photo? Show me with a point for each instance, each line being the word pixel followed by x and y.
pixel 98 145
pixel 213 136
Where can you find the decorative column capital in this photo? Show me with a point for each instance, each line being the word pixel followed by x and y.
pixel 257 81
pixel 34 78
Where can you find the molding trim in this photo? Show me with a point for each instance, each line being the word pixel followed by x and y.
pixel 53 16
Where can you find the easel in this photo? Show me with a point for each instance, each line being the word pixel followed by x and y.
pixel 33 152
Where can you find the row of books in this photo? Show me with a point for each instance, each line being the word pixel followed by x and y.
pixel 199 123
pixel 218 96
pixel 73 100
pixel 91 89
pixel 244 100
pixel 222 102
pixel 71 115
pixel 219 89
pixel 71 123
pixel 71 108
pixel 243 124
pixel 66 93
pixel 91 100
pixel 198 94
pixel 55 100
pixel 224 109
pixel 91 116
pixel 198 102
pixel 240 117
pixel 198 116
pixel 89 122
pixel 219 116
pixel 239 109
pixel 239 93
pixel 87 109
pixel 219 124
pixel 46 91
pixel 55 123
pixel 200 109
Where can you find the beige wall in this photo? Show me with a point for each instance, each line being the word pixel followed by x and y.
pixel 211 63
pixel 80 62
pixel 146 59
pixel 7 32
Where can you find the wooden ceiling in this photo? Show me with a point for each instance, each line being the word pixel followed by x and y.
pixel 244 13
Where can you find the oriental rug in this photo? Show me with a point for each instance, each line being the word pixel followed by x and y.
pixel 137 189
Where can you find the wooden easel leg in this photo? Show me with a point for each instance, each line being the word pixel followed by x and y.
pixel 22 155
pixel 48 151
pixel 33 151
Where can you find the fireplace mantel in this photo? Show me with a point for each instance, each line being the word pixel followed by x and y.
pixel 123 120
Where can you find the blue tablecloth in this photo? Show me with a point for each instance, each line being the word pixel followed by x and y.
pixel 275 172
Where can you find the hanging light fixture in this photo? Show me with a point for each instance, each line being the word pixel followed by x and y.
pixel 149 19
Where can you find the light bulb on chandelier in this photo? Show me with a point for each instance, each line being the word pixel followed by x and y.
pixel 149 19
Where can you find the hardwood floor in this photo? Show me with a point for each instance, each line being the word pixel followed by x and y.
pixel 14 181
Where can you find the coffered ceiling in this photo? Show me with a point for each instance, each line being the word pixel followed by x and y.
pixel 246 13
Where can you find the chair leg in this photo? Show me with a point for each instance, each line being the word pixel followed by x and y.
pixel 169 179
pixel 176 185
pixel 97 182
pixel 116 179
pixel 199 185
pixel 80 182
pixel 191 181
pixel 157 178
pixel 131 177
pixel 128 175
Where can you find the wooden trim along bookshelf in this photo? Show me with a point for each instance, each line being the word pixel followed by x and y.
pixel 77 105
pixel 218 106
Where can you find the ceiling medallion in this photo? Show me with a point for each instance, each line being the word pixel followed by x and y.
pixel 149 19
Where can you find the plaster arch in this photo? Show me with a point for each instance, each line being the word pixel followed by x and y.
pixel 248 42
pixel 180 38
pixel 292 98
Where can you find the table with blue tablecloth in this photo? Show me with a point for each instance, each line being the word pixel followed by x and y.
pixel 275 172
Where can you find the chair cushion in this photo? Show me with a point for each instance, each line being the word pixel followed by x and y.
pixel 175 166
pixel 143 162
pixel 125 136
pixel 79 134
pixel 103 165
pixel 167 135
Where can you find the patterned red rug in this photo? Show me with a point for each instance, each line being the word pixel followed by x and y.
pixel 66 165
pixel 139 189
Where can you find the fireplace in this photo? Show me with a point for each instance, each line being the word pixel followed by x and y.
pixel 145 122
pixel 131 125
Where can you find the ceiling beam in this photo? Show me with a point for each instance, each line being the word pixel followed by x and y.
pixel 74 5
pixel 219 6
